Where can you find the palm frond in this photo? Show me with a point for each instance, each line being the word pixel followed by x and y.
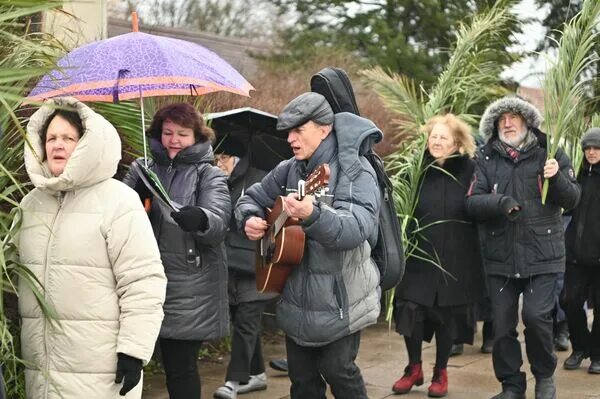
pixel 566 90
pixel 400 94
pixel 24 57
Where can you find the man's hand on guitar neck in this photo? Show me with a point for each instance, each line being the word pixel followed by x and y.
pixel 298 209
pixel 255 228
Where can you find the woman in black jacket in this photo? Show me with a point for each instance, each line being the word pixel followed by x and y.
pixel 191 241
pixel 431 300
pixel 582 275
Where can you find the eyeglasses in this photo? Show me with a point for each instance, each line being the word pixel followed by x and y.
pixel 222 158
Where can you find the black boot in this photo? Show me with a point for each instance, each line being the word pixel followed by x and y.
pixel 488 337
pixel 561 340
pixel 457 349
pixel 545 388
pixel 574 360
pixel 509 395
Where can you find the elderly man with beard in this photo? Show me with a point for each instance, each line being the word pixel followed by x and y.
pixel 522 239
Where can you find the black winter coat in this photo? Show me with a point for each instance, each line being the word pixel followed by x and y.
pixel 240 250
pixel 583 233
pixel 455 241
pixel 196 306
pixel 530 241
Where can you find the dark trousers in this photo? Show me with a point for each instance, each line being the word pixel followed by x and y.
pixel 538 302
pixel 246 349
pixel 580 281
pixel 179 359
pixel 311 368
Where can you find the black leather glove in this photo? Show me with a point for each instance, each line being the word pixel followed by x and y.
pixel 142 190
pixel 130 369
pixel 190 218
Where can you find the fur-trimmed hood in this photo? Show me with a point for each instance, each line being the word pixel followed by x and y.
pixel 487 125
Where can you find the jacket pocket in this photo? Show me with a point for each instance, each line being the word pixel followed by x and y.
pixel 339 291
pixel 193 258
pixel 496 244
pixel 548 244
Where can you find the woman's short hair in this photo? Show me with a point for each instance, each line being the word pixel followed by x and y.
pixel 184 115
pixel 70 116
pixel 460 130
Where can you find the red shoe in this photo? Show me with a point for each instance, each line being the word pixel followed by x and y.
pixel 413 375
pixel 439 384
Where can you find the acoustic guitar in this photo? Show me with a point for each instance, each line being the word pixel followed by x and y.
pixel 282 246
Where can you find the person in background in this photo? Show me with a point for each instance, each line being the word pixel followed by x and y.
pixel 440 298
pixel 246 369
pixel 86 238
pixel 582 275
pixel 523 239
pixel 191 241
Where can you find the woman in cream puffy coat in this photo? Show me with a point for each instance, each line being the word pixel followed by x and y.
pixel 87 239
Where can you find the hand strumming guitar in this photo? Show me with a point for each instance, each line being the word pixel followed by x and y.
pixel 255 228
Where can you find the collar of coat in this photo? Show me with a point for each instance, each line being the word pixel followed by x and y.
pixel 586 169
pixel 491 146
pixel 323 154
pixel 452 164
pixel 239 170
pixel 197 153
pixel 94 159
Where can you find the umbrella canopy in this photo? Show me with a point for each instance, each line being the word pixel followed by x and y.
pixel 135 64
pixel 250 132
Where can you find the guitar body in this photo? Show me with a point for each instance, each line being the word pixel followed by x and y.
pixel 288 248
pixel 282 247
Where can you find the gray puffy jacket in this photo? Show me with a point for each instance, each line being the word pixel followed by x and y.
pixel 195 263
pixel 334 292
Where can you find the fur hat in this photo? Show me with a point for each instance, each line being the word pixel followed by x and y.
pixel 488 124
pixel 591 138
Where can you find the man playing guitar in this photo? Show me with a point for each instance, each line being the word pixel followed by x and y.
pixel 334 292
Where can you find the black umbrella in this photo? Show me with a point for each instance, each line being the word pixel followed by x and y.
pixel 250 132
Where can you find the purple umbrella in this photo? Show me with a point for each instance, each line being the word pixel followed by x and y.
pixel 136 63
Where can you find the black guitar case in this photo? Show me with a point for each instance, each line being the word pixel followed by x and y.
pixel 334 84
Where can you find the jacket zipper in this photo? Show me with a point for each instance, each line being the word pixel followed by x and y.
pixel 60 200
pixel 515 227
pixel 338 298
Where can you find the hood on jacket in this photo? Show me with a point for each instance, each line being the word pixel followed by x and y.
pixel 94 159
pixel 355 136
pixel 487 125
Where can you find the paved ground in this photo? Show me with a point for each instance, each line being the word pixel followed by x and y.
pixel 382 359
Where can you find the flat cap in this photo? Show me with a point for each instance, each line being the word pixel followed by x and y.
pixel 591 138
pixel 306 107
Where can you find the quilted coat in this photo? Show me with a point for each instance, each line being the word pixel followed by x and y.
pixel 87 239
